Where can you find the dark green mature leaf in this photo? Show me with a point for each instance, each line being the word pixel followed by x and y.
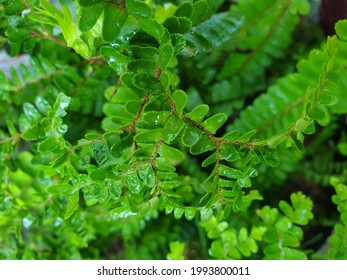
pixel 138 9
pixel 199 11
pixel 172 129
pixel 184 10
pixel 191 135
pixel 198 113
pixel 231 173
pixel 213 32
pixel 115 60
pixel 213 123
pixel 169 152
pixel 114 19
pixel 153 28
pixel 90 2
pixel 89 17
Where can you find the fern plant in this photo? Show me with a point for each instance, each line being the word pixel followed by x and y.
pixel 139 125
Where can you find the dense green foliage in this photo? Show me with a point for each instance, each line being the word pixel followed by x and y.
pixel 171 129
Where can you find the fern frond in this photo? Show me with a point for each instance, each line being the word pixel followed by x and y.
pixel 287 102
pixel 263 38
pixel 338 240
pixel 283 234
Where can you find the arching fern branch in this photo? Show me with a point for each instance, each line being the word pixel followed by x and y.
pixel 297 100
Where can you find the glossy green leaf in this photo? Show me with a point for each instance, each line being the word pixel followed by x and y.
pixel 213 123
pixel 166 53
pixel 172 129
pixel 32 114
pixel 138 9
pixel 341 29
pixel 180 25
pixel 48 145
pixel 231 173
pixel 90 2
pixel 42 105
pixel 184 10
pixel 72 205
pixel 180 99
pixel 204 144
pixel 32 133
pixel 118 147
pixel 198 113
pixel 191 135
pixel 152 27
pixel 210 160
pixel 169 152
pixel 115 60
pixel 89 17
pixel 133 183
pixel 150 136
pixel 114 19
pixel 61 105
pixel 199 11
pixel 146 175
pixel 61 189
pixel 206 214
pixel 115 188
pixel 100 150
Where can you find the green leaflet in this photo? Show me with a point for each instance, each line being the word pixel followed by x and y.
pixel 153 28
pixel 138 9
pixel 172 129
pixel 341 29
pixel 117 61
pixel 212 33
pixel 114 20
pixel 72 205
pixel 121 111
pixel 89 17
pixel 213 123
pixel 169 152
pixel 198 113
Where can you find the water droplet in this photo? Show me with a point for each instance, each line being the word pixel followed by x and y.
pixel 27 222
pixel 61 129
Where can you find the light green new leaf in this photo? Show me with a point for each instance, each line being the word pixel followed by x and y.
pixel 72 205
pixel 341 29
pixel 61 189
